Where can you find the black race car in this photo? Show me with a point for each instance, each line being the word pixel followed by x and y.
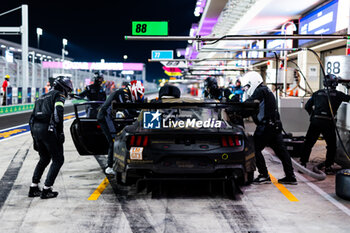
pixel 177 139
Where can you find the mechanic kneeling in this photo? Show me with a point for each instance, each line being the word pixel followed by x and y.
pixel 46 125
pixel 268 130
pixel 321 121
pixel 133 93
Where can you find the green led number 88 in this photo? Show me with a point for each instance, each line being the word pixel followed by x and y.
pixel 141 28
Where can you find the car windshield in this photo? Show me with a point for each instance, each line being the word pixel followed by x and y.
pixel 184 118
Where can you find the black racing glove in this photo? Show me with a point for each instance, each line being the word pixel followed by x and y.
pixel 61 138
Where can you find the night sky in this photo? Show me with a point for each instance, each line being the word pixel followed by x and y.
pixel 96 29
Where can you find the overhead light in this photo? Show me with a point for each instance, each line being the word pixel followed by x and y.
pixel 38 54
pixel 3 46
pixel 44 55
pixel 49 57
pixel 39 31
pixel 233 12
pixel 64 41
pixel 130 72
pixel 12 48
pixel 19 50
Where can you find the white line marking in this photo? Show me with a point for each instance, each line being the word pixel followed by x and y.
pixel 324 194
pixel 13 127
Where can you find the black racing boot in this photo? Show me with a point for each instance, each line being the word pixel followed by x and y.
pixel 288 180
pixel 262 179
pixel 48 193
pixel 329 171
pixel 34 192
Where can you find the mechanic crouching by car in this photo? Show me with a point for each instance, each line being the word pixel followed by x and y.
pixel 94 92
pixel 46 125
pixel 268 130
pixel 321 121
pixel 132 93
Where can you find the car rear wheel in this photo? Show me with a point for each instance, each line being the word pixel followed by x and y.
pixel 250 178
pixel 230 188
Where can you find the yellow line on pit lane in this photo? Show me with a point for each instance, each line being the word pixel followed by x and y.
pixel 96 194
pixel 69 117
pixel 283 189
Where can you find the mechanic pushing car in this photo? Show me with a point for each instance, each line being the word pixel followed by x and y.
pixel 321 120
pixel 46 125
pixel 94 92
pixel 134 92
pixel 268 130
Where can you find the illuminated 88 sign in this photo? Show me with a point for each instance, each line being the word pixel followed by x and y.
pixel 333 68
pixel 338 65
pixel 141 28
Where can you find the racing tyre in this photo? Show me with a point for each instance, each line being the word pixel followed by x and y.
pixel 230 188
pixel 342 184
pixel 250 178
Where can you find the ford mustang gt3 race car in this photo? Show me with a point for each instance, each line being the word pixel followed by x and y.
pixel 175 139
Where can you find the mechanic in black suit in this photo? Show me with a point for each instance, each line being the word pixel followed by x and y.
pixel 212 91
pixel 321 120
pixel 46 126
pixel 268 130
pixel 133 93
pixel 94 92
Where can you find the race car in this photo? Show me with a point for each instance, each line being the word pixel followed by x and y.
pixel 175 139
pixel 184 139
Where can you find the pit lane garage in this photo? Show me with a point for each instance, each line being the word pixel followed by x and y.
pixel 177 139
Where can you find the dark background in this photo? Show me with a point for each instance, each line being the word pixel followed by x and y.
pixel 96 29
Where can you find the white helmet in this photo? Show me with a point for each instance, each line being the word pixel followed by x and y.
pixel 250 81
pixel 137 91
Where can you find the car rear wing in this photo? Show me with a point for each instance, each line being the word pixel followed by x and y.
pixel 245 109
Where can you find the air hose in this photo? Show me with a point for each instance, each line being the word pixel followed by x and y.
pixel 315 173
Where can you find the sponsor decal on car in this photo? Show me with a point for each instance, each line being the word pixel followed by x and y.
pixel 153 120
pixel 136 153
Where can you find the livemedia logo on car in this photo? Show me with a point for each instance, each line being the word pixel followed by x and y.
pixel 152 120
